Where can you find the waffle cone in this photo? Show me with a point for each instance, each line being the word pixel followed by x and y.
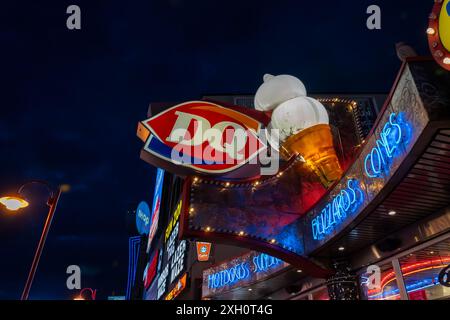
pixel 315 145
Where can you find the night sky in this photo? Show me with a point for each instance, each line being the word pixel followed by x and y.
pixel 70 102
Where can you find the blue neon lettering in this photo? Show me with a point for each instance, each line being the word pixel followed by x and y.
pixel 261 263
pixel 342 205
pixel 379 159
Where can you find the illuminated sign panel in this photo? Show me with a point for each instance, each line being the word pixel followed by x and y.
pixel 190 134
pixel 143 218
pixel 174 255
pixel 244 270
pixel 156 207
pixel 203 251
pixel 150 270
pixel 179 287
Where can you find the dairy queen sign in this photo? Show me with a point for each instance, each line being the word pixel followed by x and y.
pixel 201 137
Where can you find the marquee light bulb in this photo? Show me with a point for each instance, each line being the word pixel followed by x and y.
pixel 447 60
pixel 431 31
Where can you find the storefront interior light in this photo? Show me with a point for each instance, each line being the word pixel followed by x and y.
pixel 299 271
pixel 341 248
pixel 250 289
pixel 392 213
pixel 410 270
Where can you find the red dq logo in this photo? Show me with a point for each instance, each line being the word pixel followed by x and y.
pixel 204 136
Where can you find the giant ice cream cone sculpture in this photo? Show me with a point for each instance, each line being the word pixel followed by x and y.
pixel 303 125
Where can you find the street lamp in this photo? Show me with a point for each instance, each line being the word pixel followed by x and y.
pixel 16 202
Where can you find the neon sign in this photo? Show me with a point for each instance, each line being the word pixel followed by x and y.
pixel 395 133
pixel 229 276
pixel 243 270
pixel 341 206
pixel 378 161
pixel 264 262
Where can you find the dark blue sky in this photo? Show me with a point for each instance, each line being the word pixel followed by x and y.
pixel 70 102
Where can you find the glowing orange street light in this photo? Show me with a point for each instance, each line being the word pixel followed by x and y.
pixel 17 202
pixel 14 203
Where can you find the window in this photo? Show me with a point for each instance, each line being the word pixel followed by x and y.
pixel 421 271
pixel 388 289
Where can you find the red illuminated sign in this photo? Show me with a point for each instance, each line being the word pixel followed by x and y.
pixel 202 136
pixel 150 271
pixel 203 251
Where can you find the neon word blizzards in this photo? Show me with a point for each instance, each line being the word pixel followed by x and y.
pixel 242 271
pixel 343 204
pixel 380 158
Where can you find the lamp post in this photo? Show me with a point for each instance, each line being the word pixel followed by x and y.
pixel 16 202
